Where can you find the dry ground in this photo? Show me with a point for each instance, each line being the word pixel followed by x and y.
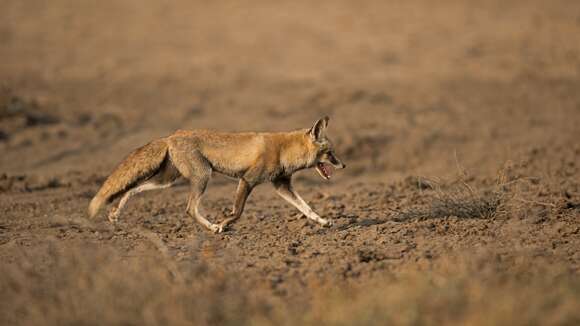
pixel 458 121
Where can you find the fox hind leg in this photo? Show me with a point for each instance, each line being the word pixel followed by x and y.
pixel 115 212
pixel 163 178
pixel 197 189
pixel 194 167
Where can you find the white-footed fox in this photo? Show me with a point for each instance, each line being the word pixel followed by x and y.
pixel 251 157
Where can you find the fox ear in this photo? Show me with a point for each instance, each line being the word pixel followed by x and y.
pixel 318 131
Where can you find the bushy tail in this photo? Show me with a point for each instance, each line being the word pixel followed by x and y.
pixel 140 165
pixel 95 205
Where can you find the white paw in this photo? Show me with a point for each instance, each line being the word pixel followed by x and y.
pixel 325 222
pixel 216 228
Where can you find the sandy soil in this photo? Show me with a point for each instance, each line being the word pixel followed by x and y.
pixel 458 120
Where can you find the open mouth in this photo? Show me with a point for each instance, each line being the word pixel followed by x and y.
pixel 325 170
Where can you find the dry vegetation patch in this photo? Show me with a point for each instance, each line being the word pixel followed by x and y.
pixel 60 286
pixel 98 286
pixel 472 289
pixel 457 199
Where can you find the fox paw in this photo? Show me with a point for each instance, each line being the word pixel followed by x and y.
pixel 324 222
pixel 113 216
pixel 216 228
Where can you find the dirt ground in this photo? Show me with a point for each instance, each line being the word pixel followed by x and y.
pixel 458 121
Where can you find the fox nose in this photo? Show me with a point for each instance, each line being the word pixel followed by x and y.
pixel 343 166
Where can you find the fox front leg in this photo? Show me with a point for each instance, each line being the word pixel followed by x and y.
pixel 284 189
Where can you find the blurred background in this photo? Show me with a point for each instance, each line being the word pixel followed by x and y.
pixel 410 86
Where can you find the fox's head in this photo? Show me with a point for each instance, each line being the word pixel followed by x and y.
pixel 326 158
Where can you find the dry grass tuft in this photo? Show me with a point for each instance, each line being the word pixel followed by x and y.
pixel 457 199
pixel 507 195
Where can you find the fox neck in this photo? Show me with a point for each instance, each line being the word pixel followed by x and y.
pixel 297 152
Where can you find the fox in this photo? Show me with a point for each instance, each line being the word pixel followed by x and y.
pixel 252 158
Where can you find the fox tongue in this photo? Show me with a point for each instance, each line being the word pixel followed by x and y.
pixel 325 170
pixel 328 169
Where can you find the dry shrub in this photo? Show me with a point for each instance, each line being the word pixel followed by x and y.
pixel 456 199
pixel 508 194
